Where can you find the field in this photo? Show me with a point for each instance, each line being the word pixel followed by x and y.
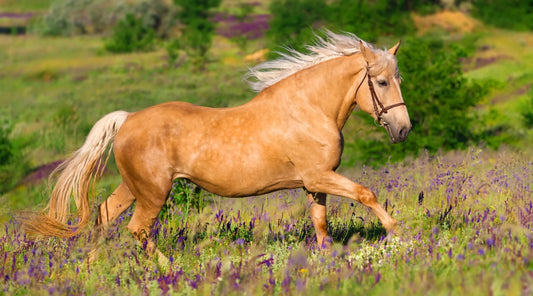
pixel 465 217
pixel 465 228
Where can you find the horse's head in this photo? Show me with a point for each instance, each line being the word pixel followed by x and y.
pixel 380 94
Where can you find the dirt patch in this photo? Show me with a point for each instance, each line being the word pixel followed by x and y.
pixel 43 172
pixel 506 96
pixel 451 21
pixel 40 173
pixel 470 64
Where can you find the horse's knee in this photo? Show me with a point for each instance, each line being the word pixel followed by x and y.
pixel 366 196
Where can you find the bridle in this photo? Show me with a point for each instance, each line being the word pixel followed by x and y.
pixel 375 100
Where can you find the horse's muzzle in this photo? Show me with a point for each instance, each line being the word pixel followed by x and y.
pixel 397 134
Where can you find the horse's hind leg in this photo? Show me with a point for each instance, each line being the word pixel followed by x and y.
pixel 150 200
pixel 114 205
pixel 109 210
pixel 317 211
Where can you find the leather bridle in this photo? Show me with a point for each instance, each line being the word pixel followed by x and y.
pixel 375 100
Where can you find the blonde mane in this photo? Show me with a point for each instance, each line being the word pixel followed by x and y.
pixel 331 46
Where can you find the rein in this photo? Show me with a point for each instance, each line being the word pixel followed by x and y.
pixel 375 100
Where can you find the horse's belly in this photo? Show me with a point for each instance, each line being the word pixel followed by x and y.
pixel 244 176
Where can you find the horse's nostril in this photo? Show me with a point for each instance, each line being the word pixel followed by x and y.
pixel 404 132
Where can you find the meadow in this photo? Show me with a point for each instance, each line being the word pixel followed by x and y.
pixel 465 217
pixel 465 222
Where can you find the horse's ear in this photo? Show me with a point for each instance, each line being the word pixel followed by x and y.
pixel 369 56
pixel 393 50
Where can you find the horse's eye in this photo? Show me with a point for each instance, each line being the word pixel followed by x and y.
pixel 383 83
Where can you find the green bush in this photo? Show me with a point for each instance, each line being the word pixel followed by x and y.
pixel 71 17
pixel 61 19
pixel 370 19
pixel 293 21
pixel 507 14
pixel 13 166
pixel 6 148
pixel 186 196
pixel 129 35
pixel 196 37
pixel 527 111
pixel 440 101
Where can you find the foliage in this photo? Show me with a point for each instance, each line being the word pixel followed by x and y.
pixel 6 148
pixel 185 195
pixel 440 101
pixel 13 165
pixel 293 21
pixel 243 13
pixel 59 20
pixel 527 111
pixel 507 14
pixel 197 34
pixel 371 19
pixel 129 35
pixel 73 17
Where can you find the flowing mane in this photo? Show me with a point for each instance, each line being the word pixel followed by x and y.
pixel 333 45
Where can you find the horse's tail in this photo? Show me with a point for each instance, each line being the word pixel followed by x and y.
pixel 77 175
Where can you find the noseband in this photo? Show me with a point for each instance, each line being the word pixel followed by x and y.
pixel 375 100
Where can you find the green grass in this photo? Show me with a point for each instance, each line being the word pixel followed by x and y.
pixel 470 234
pixel 24 5
pixel 38 83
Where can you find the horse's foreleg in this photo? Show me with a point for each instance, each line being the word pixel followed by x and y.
pixel 333 183
pixel 318 217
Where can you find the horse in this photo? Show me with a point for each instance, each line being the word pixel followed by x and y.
pixel 288 136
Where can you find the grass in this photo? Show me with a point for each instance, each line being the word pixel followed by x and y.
pixel 470 233
pixel 73 76
pixel 511 68
pixel 24 5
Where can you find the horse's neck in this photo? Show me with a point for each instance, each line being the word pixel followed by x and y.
pixel 328 88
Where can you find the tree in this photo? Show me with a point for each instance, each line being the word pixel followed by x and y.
pixel 293 21
pixel 129 35
pixel 197 34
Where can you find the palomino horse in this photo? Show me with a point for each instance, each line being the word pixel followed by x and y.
pixel 288 136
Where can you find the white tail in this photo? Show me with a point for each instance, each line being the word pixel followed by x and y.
pixel 76 175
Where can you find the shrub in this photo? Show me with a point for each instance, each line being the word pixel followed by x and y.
pixel 130 35
pixel 61 20
pixel 71 17
pixel 527 111
pixel 507 14
pixel 370 19
pixel 186 196
pixel 6 148
pixel 12 163
pixel 293 20
pixel 197 34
